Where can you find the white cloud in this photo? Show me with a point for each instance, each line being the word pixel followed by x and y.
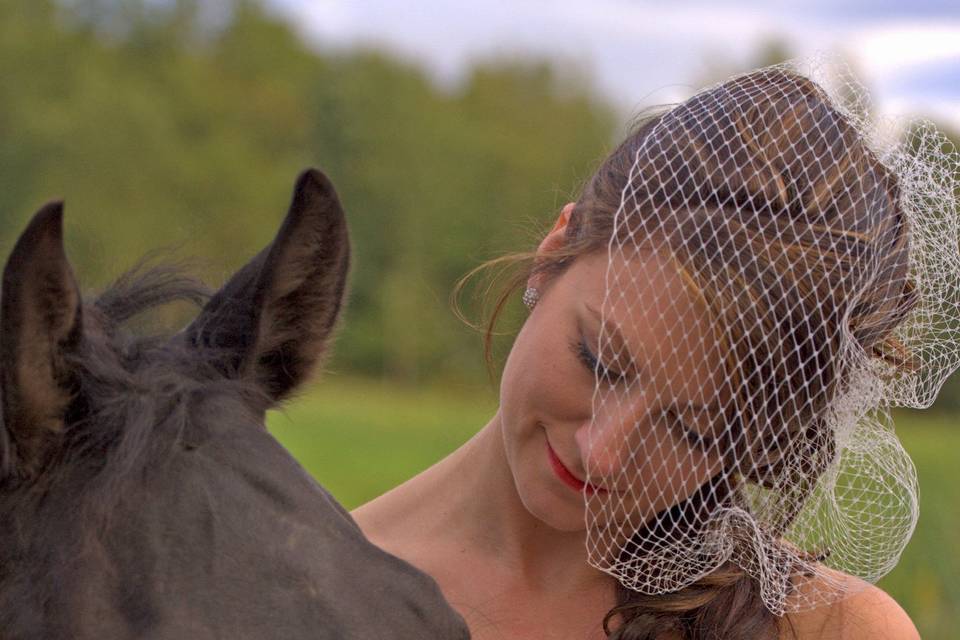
pixel 887 49
pixel 637 52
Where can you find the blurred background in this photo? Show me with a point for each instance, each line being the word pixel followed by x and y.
pixel 454 133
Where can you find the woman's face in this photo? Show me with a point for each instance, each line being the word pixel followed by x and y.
pixel 649 445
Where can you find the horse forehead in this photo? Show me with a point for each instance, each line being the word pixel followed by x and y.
pixel 244 509
pixel 239 471
pixel 234 533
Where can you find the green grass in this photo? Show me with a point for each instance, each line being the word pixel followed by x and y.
pixel 926 582
pixel 360 438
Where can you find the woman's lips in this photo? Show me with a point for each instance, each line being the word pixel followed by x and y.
pixel 568 478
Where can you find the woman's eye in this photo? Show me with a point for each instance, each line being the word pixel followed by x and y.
pixel 692 436
pixel 590 361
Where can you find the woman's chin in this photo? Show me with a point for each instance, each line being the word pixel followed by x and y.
pixel 554 511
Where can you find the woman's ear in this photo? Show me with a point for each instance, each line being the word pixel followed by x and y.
pixel 556 238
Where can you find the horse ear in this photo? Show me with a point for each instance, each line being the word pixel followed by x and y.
pixel 40 320
pixel 273 319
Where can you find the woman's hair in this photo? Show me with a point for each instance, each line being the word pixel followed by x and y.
pixel 779 175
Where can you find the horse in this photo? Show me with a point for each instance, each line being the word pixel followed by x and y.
pixel 141 495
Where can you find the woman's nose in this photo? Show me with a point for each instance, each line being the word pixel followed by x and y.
pixel 605 448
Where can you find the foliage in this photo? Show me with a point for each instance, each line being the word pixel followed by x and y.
pixel 184 123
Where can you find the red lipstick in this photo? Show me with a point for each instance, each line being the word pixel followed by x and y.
pixel 568 478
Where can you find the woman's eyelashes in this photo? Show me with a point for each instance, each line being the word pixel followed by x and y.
pixel 691 436
pixel 593 364
pixel 598 369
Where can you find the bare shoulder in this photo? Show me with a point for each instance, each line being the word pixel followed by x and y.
pixel 869 614
pixel 378 520
pixel 398 522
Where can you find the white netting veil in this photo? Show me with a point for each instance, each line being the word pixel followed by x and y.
pixel 783 269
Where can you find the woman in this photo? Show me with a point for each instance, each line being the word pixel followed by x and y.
pixel 707 321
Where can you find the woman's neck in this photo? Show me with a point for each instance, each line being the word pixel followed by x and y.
pixel 470 498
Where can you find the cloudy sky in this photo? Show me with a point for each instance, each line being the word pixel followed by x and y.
pixel 906 52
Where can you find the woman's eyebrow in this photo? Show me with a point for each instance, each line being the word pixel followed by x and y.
pixel 619 344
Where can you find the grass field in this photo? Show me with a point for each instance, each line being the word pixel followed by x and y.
pixel 360 438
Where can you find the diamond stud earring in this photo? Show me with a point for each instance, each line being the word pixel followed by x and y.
pixel 530 297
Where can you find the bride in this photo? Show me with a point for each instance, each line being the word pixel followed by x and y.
pixel 707 323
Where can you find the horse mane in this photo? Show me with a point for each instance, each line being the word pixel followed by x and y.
pixel 149 284
pixel 135 389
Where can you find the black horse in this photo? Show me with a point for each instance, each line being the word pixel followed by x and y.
pixel 140 493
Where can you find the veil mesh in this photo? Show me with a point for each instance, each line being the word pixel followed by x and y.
pixel 783 269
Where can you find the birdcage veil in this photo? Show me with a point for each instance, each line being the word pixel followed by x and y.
pixel 782 270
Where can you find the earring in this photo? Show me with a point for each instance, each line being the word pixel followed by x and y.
pixel 530 297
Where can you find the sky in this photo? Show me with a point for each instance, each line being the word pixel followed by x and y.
pixel 906 53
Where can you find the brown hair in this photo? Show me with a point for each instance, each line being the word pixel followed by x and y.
pixel 764 166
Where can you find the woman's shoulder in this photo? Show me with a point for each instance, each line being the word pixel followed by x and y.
pixel 381 519
pixel 399 521
pixel 869 613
